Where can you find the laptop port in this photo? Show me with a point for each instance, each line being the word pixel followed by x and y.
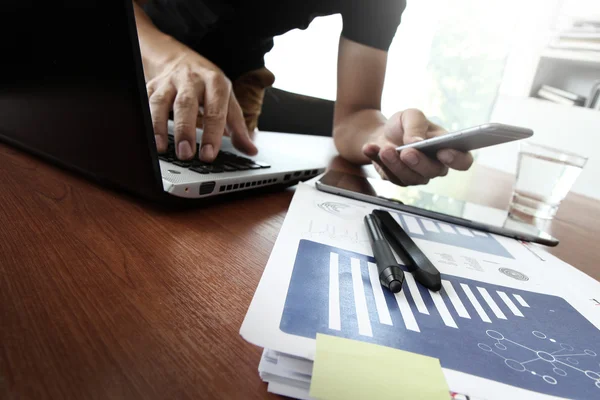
pixel 207 187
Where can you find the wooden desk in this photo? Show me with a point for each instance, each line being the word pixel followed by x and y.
pixel 105 297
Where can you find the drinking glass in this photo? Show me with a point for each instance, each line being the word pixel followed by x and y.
pixel 544 177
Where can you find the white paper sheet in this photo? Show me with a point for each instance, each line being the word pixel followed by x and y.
pixel 479 266
pixel 295 364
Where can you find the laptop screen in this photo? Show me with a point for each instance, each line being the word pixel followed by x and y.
pixel 72 89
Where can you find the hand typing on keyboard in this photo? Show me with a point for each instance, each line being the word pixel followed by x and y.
pixel 223 162
pixel 180 79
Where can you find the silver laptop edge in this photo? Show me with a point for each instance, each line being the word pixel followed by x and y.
pixel 291 157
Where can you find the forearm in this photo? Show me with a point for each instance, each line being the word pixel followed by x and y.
pixel 156 47
pixel 353 130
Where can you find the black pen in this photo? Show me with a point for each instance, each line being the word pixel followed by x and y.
pixel 390 274
pixel 421 267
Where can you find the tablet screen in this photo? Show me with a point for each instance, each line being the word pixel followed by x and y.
pixel 431 205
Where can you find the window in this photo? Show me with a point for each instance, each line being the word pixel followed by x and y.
pixel 447 58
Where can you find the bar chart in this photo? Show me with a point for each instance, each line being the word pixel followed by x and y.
pixel 473 327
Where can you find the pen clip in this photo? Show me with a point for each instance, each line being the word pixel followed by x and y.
pixel 384 224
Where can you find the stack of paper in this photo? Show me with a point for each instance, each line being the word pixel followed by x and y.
pixel 348 369
pixel 560 96
pixel 286 375
pixel 511 321
pixel 583 34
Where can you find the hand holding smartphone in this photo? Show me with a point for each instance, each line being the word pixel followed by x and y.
pixel 470 139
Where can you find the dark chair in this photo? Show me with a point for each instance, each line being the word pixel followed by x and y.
pixel 294 113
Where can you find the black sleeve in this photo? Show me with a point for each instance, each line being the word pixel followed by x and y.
pixel 372 22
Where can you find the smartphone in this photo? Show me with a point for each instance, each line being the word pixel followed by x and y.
pixel 431 206
pixel 471 139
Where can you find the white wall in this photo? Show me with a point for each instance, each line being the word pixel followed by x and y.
pixel 533 30
pixel 579 8
pixel 305 62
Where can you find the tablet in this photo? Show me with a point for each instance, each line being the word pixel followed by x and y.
pixel 430 205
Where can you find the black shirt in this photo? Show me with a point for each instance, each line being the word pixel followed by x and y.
pixel 236 34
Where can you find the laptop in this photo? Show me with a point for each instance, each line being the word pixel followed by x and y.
pixel 72 90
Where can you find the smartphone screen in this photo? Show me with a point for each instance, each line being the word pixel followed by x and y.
pixel 413 200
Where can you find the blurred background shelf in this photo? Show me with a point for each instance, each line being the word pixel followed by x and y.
pixel 574 56
pixel 533 63
pixel 574 71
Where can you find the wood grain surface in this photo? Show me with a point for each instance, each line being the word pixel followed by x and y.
pixel 104 296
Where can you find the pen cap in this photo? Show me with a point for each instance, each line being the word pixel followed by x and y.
pixel 421 267
pixel 390 274
pixel 392 278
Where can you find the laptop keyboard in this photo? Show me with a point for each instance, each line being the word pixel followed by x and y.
pixel 224 162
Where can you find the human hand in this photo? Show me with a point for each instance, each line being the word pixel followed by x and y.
pixel 183 81
pixel 410 166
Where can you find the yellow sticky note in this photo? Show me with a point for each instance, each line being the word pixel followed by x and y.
pixel 349 369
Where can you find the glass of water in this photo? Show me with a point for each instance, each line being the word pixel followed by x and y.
pixel 544 177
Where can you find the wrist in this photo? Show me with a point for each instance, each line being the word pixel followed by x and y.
pixel 158 50
pixel 356 130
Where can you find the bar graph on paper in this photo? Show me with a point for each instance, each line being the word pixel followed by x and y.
pixel 455 235
pixel 530 340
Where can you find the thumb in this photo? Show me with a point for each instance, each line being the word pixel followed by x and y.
pixel 414 126
pixel 240 137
